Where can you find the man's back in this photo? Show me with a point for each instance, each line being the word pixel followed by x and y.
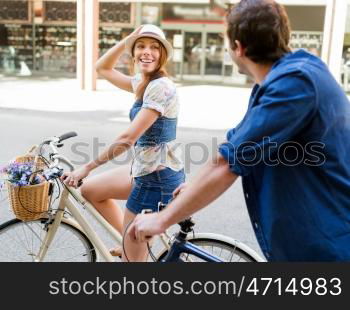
pixel 298 193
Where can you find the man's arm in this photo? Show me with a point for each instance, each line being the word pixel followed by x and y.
pixel 214 179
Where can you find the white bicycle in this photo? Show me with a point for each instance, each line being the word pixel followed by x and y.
pixel 65 235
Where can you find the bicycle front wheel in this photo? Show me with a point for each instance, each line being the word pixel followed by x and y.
pixel 227 249
pixel 21 242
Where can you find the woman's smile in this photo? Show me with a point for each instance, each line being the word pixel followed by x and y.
pixel 147 54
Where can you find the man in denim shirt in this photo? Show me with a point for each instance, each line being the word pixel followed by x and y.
pixel 292 149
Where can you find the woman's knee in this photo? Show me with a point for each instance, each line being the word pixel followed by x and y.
pixel 86 190
pixel 113 184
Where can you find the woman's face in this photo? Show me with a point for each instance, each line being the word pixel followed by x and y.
pixel 147 54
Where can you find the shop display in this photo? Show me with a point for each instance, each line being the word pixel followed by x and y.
pixel 310 41
pixel 188 12
pixel 116 13
pixel 54 48
pixel 50 44
pixel 108 37
pixel 18 10
pixel 20 47
pixel 60 11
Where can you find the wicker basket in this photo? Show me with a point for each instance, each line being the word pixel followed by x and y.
pixel 29 202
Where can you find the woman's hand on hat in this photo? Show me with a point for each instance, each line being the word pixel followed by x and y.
pixel 136 31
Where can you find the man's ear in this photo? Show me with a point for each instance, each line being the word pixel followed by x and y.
pixel 239 50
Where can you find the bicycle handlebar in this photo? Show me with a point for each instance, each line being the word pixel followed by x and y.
pixel 54 142
pixel 56 158
pixel 66 136
pixel 57 140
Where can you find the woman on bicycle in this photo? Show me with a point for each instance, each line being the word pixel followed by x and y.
pixel 157 169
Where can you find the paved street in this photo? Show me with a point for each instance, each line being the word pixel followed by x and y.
pixel 31 110
pixel 21 128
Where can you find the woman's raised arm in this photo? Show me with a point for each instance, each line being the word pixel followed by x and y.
pixel 105 65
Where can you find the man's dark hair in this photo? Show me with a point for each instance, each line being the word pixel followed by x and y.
pixel 262 27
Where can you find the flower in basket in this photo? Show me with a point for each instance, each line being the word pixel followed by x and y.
pixel 19 174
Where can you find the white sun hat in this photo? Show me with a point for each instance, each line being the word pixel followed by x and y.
pixel 149 31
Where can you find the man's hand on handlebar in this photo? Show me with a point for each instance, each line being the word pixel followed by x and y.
pixel 146 226
pixel 74 178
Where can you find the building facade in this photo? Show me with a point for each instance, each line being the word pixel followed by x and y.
pixel 48 38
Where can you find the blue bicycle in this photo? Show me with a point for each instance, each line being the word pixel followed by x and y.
pixel 186 246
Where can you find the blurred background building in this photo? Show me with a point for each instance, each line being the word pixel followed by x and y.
pixel 58 38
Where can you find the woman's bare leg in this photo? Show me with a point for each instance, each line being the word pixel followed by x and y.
pixel 134 251
pixel 102 189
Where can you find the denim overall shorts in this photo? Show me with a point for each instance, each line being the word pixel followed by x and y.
pixel 158 186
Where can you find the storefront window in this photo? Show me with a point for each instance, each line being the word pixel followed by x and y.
pixel 307 33
pixel 110 36
pixel 176 40
pixel 214 54
pixel 116 21
pixel 38 38
pixel 308 40
pixel 16 49
pixel 193 50
pixel 16 39
pixel 150 13
pixel 196 30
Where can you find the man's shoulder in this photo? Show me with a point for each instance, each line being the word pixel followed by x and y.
pixel 300 64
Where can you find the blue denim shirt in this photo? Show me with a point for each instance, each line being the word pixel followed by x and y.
pixel 162 130
pixel 292 150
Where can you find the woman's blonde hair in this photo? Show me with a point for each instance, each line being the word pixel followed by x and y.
pixel 159 72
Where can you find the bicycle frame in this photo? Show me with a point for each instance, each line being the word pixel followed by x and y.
pixel 81 223
pixel 66 202
pixel 180 247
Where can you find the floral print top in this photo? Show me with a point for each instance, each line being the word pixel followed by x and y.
pixel 160 95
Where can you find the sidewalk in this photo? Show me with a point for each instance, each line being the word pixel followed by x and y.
pixel 203 106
